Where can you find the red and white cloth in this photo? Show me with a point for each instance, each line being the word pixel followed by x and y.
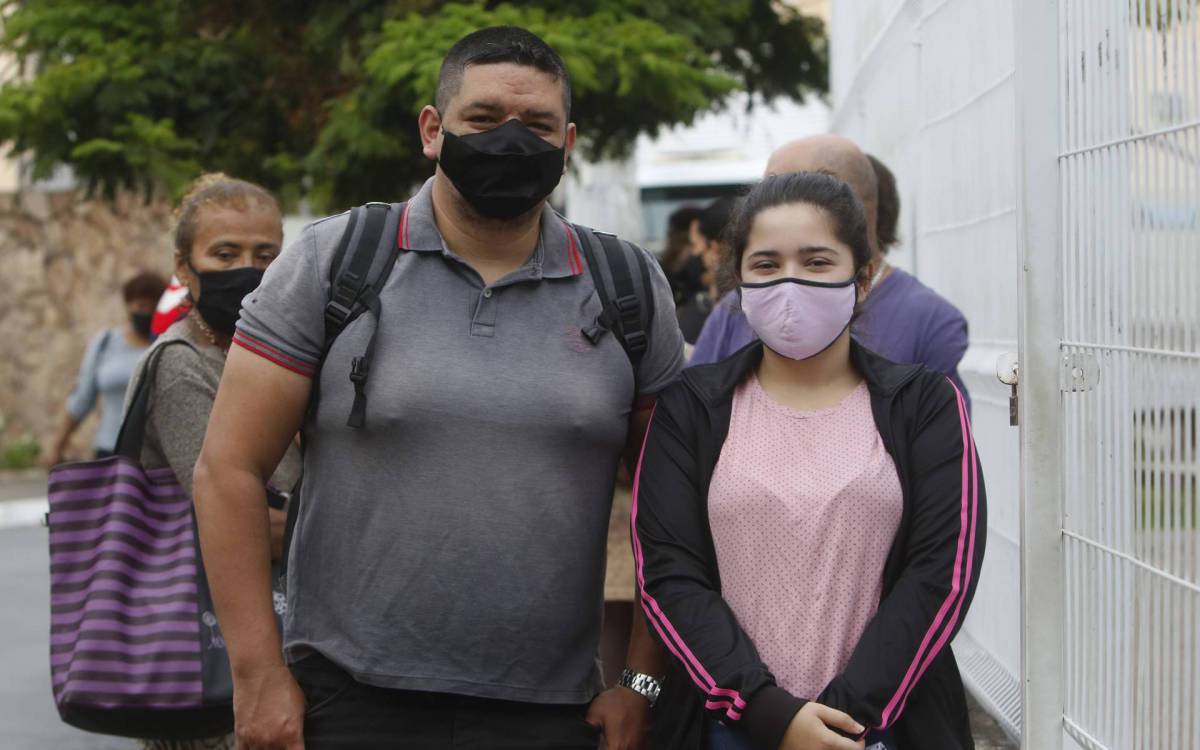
pixel 172 306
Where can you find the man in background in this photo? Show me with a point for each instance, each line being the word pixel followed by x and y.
pixel 903 319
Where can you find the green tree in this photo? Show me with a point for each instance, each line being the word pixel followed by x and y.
pixel 318 97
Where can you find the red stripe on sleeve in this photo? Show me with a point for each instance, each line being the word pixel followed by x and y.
pixel 271 354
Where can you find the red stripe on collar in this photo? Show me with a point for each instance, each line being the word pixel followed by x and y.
pixel 573 251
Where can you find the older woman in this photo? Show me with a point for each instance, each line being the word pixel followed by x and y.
pixel 107 366
pixel 228 231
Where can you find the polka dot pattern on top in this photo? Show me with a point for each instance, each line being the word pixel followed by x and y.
pixel 803 507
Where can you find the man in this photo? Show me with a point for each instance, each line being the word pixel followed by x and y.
pixel 903 319
pixel 446 576
pixel 706 245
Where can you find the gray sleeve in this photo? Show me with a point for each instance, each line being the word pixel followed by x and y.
pixel 83 395
pixel 664 354
pixel 284 319
pixel 180 406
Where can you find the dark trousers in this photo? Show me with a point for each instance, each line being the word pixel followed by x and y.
pixel 348 715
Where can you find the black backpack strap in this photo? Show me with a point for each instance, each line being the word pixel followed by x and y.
pixel 354 289
pixel 356 286
pixel 626 309
pixel 362 234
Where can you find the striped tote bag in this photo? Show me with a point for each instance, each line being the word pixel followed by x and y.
pixel 134 646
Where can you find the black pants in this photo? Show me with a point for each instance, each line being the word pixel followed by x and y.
pixel 345 714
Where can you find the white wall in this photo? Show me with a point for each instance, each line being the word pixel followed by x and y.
pixel 927 86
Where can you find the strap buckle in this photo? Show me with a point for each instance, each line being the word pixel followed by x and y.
pixel 637 341
pixel 627 305
pixel 360 367
pixel 336 314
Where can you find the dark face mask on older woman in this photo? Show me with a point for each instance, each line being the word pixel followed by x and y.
pixel 221 295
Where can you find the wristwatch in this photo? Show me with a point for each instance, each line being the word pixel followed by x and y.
pixel 643 684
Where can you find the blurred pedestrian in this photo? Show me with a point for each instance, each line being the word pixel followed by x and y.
pixel 106 369
pixel 706 245
pixel 227 232
pixel 683 267
pixel 445 584
pixel 809 517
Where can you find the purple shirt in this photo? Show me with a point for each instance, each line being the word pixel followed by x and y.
pixel 903 320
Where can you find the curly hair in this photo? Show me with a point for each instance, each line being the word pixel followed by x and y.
pixel 216 189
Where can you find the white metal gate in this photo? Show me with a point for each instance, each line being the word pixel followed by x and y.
pixel 1108 95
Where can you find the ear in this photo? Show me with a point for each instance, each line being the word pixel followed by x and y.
pixel 183 272
pixel 568 145
pixel 862 282
pixel 429 123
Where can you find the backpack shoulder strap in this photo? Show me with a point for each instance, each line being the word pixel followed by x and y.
pixel 623 285
pixel 352 266
pixel 362 263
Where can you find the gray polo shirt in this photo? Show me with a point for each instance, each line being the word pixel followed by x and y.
pixel 456 543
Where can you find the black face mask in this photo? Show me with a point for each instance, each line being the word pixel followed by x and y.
pixel 503 172
pixel 140 321
pixel 221 294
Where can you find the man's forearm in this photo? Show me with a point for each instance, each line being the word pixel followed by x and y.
pixel 231 512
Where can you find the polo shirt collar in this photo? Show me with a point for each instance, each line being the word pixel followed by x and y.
pixel 558 254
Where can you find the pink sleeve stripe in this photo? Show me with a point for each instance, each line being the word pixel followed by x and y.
pixel 675 644
pixel 966 422
pixel 958 588
pixel 271 354
pixel 655 612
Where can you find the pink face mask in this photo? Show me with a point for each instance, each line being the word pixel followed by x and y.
pixel 798 318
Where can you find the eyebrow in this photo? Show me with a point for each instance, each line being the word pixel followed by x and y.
pixel 807 250
pixel 531 114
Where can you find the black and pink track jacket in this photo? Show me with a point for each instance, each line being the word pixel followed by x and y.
pixel 902 675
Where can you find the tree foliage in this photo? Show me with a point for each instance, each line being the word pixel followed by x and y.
pixel 319 98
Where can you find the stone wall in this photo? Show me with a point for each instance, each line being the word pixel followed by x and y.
pixel 64 259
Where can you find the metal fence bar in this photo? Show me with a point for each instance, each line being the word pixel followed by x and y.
pixel 1039 101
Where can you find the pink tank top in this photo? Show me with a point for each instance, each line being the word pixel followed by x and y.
pixel 803 507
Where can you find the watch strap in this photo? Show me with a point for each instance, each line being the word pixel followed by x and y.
pixel 643 684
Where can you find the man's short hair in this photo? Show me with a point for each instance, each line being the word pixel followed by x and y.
pixel 716 217
pixel 499 44
pixel 887 219
pixel 145 285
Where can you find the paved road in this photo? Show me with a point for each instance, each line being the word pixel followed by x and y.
pixel 28 720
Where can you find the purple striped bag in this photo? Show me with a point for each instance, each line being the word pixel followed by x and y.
pixel 134 647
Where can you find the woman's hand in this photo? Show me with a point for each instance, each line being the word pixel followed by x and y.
pixel 810 730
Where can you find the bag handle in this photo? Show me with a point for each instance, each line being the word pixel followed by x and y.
pixel 133 426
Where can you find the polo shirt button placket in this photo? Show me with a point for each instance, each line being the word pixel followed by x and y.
pixel 484 321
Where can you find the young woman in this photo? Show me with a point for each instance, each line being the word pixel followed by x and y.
pixel 809 517
pixel 107 367
pixel 227 232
